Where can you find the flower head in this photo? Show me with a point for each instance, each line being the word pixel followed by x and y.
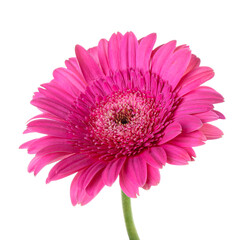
pixel 122 109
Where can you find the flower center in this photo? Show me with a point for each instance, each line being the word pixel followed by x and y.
pixel 123 121
pixel 124 116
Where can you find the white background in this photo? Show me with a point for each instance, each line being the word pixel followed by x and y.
pixel 204 200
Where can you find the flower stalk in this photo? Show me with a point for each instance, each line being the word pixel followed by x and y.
pixel 128 217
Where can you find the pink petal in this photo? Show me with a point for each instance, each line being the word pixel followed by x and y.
pixel 39 162
pixel 112 170
pixel 187 108
pixel 89 67
pixel 144 51
pixel 192 139
pixel 96 184
pixel 194 63
pixel 153 177
pixel 78 194
pixel 68 166
pixel 176 155
pixel 140 169
pixel 94 54
pixel 171 131
pixel 128 48
pixel 207 116
pixel 211 132
pixel 114 52
pixel 45 141
pixel 203 95
pixel 133 175
pixel 53 128
pixel 162 56
pixel 150 159
pixel 194 79
pixel 175 67
pixel 158 154
pixel 63 73
pixel 103 55
pixel 221 116
pixel 52 106
pixel 189 123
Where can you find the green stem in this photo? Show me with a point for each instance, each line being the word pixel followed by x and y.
pixel 128 217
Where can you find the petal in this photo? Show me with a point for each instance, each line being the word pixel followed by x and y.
pixel 203 95
pixel 211 132
pixel 128 48
pixel 39 162
pixel 194 79
pixel 114 52
pixel 158 154
pixel 194 63
pixel 153 177
pixel 94 54
pixel 133 175
pixel 162 56
pixel 96 184
pixel 187 108
pixel 171 131
pixel 144 51
pixel 174 69
pixel 68 166
pixel 192 139
pixel 67 75
pixel 52 106
pixel 89 67
pixel 176 155
pixel 103 55
pixel 207 116
pixel 151 160
pixel 112 170
pixel 80 195
pixel 189 123
pixel 53 128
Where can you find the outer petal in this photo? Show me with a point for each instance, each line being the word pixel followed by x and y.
pixel 133 175
pixel 112 170
pixel 89 67
pixel 162 55
pixel 189 123
pixel 128 49
pixel 176 155
pixel 171 131
pixel 153 177
pixel 194 79
pixel 114 52
pixel 211 132
pixel 144 52
pixel 68 166
pixel 103 55
pixel 192 139
pixel 175 67
pixel 79 194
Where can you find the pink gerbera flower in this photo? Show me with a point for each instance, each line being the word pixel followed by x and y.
pixel 122 109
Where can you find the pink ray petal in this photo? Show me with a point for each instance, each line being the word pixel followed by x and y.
pixel 174 69
pixel 176 155
pixel 171 131
pixel 144 51
pixel 194 79
pixel 89 67
pixel 189 123
pixel 211 132
pixel 103 55
pixel 162 56
pixel 112 170
pixel 153 178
